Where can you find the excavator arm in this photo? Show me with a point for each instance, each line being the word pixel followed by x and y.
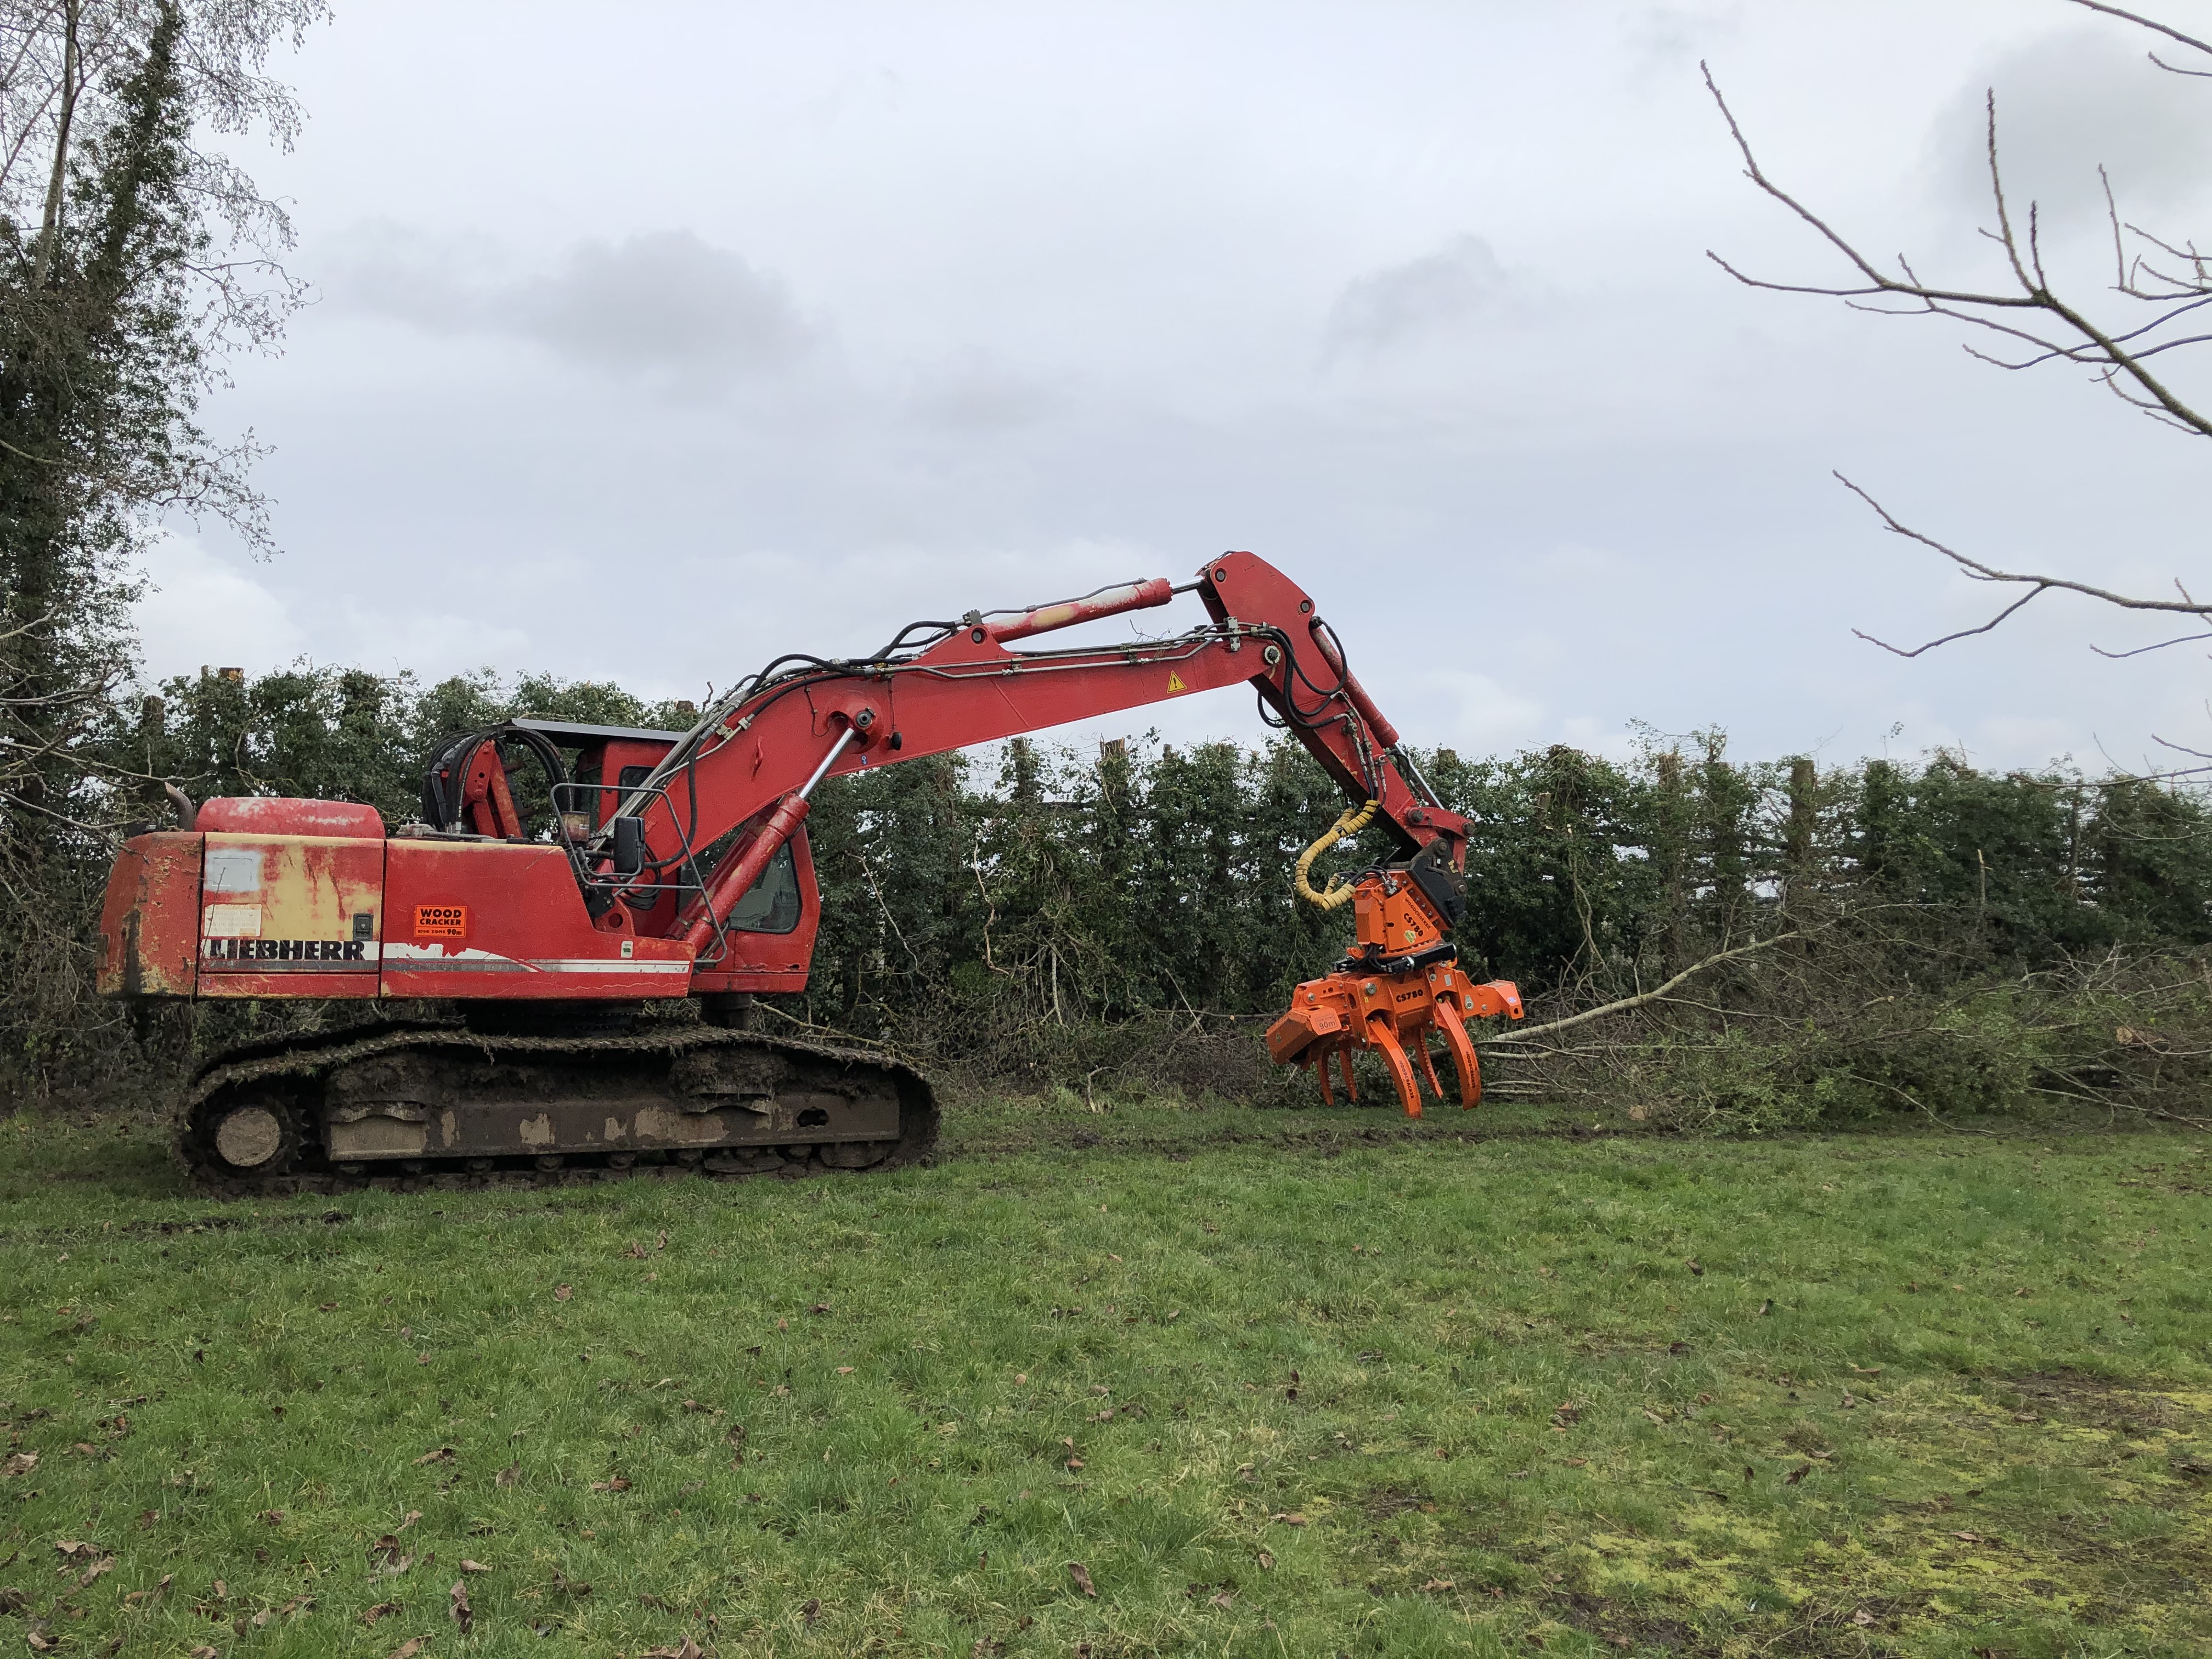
pixel 753 760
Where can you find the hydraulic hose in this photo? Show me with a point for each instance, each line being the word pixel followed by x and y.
pixel 1350 823
pixel 442 806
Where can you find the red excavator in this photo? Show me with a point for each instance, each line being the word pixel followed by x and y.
pixel 676 865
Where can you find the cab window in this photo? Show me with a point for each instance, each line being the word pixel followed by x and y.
pixel 772 904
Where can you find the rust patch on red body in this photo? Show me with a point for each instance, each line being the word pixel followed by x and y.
pixel 149 922
pixel 290 915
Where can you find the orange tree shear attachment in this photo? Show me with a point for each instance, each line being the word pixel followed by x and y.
pixel 1401 982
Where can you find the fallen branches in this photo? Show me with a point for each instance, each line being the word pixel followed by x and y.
pixel 1656 994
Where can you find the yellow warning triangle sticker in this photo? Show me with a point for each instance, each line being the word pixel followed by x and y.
pixel 1175 681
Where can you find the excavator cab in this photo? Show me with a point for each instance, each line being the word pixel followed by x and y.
pixel 762 945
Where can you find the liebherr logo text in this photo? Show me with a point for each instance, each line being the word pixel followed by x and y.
pixel 286 949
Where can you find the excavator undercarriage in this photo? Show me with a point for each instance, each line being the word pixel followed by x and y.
pixel 411 1104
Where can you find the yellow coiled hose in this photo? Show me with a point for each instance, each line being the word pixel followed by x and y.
pixel 1353 820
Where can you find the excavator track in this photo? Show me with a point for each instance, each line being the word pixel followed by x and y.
pixel 419 1107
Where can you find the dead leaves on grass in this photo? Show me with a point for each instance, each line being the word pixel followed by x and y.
pixel 267 1615
pixel 387 1553
pixel 1081 1574
pixel 91 1558
pixel 460 1612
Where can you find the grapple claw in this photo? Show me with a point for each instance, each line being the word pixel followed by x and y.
pixel 1428 1064
pixel 1402 982
pixel 1447 1018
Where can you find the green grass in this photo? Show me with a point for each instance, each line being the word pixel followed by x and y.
pixel 1909 1393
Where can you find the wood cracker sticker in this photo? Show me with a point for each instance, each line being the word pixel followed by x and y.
pixel 441 921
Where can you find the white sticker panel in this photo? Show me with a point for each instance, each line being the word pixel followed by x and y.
pixel 233 870
pixel 231 921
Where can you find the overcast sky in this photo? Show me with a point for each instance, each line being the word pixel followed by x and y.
pixel 653 341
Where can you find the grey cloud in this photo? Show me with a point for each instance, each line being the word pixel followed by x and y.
pixel 2066 103
pixel 663 305
pixel 977 395
pixel 664 300
pixel 1403 303
pixel 1665 38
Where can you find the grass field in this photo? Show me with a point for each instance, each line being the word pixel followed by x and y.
pixel 1283 1383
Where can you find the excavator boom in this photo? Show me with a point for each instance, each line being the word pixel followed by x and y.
pixel 753 758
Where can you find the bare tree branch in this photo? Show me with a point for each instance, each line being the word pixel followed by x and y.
pixel 2036 585
pixel 2145 650
pixel 2155 27
pixel 2094 347
pixel 72 83
pixel 2174 278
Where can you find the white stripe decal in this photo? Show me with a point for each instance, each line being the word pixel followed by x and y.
pixel 415 958
pixel 601 967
